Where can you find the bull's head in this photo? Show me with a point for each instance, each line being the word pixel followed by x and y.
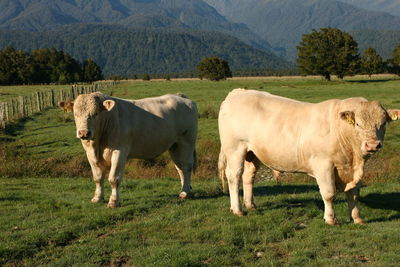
pixel 369 120
pixel 88 108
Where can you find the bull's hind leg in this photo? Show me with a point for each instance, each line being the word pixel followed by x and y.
pixel 352 200
pixel 250 169
pixel 234 171
pixel 183 155
pixel 118 160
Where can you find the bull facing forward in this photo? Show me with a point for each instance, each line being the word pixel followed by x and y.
pixel 330 141
pixel 113 129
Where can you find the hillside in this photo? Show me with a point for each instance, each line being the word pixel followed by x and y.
pixel 121 50
pixel 383 41
pixel 44 15
pixel 282 22
pixel 389 6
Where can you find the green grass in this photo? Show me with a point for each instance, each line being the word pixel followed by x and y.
pixel 48 220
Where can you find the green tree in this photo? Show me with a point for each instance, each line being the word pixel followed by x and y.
pixel 54 66
pixel 15 66
pixel 214 69
pixel 371 62
pixel 328 52
pixel 146 77
pixel 91 71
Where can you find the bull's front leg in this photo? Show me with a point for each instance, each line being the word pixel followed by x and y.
pixel 98 173
pixel 352 201
pixel 118 159
pixel 358 173
pixel 327 188
pixel 98 178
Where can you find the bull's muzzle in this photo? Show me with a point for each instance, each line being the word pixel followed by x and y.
pixel 84 134
pixel 372 146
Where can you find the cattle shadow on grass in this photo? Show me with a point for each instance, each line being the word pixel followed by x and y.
pixel 15 127
pixel 370 81
pixel 384 201
pixel 283 189
pixel 387 201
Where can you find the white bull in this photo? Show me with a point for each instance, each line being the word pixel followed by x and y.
pixel 113 129
pixel 330 141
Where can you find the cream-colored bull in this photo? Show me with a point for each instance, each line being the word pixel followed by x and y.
pixel 113 129
pixel 330 141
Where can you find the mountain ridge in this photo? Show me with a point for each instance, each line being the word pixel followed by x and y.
pixel 121 50
pixel 282 22
pixel 45 15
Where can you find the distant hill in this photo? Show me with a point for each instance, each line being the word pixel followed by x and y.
pixel 383 41
pixel 389 6
pixel 44 15
pixel 282 22
pixel 122 50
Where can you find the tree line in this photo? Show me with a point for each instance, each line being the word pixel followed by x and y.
pixel 45 66
pixel 331 51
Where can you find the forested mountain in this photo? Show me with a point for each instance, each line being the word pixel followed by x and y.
pixel 282 22
pixel 389 6
pixel 44 15
pixel 121 50
pixel 383 41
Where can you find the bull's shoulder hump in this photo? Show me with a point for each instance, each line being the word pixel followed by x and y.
pixel 355 99
pixel 259 96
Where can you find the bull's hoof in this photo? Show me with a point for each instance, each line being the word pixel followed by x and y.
pixel 97 200
pixel 183 195
pixel 113 205
pixel 359 221
pixel 331 221
pixel 237 212
pixel 251 206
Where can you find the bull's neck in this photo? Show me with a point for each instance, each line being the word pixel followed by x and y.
pixel 350 146
pixel 105 126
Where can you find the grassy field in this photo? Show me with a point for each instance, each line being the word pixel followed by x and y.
pixel 46 217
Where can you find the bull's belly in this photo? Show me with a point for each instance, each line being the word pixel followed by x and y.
pixel 283 161
pixel 150 151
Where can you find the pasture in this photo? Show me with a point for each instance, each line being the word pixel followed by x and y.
pixel 46 217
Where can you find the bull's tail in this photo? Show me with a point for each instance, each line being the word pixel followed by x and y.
pixel 222 168
pixel 194 168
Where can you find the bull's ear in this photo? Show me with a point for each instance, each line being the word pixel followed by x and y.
pixel 61 104
pixel 108 104
pixel 393 114
pixel 348 116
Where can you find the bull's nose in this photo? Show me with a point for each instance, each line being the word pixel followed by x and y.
pixel 373 146
pixel 83 134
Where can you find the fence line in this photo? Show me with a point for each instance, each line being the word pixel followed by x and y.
pixel 25 106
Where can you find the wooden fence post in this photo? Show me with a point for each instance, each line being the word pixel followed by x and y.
pixel 2 116
pixel 53 101
pixel 21 107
